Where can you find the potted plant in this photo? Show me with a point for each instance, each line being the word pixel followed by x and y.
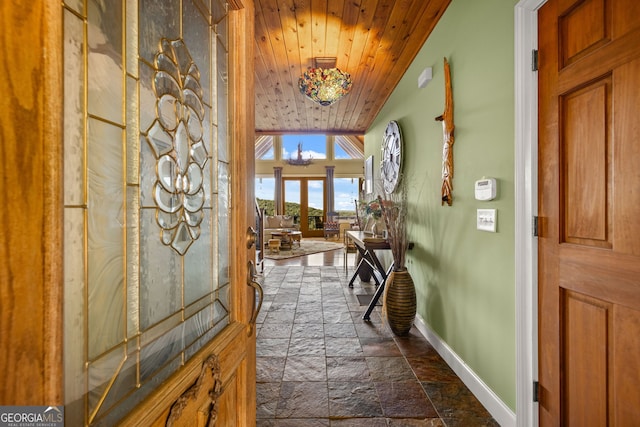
pixel 399 301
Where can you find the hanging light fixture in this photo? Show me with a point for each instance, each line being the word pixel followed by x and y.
pixel 299 161
pixel 324 84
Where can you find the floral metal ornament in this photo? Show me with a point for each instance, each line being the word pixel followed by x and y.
pixel 371 208
pixel 176 139
pixel 324 85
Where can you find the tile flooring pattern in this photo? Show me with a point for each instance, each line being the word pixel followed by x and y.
pixel 320 364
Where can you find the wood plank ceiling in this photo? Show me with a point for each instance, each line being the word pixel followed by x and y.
pixel 373 40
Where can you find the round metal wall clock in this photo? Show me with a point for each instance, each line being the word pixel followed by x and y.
pixel 391 157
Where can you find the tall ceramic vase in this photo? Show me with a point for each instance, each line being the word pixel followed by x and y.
pixel 400 302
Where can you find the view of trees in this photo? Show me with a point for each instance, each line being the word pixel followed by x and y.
pixel 293 209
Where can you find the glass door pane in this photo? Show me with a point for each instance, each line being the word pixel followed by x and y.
pixel 315 207
pixel 346 198
pixel 147 231
pixel 292 199
pixel 265 194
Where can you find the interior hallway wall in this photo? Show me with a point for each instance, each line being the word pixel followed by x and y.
pixel 464 278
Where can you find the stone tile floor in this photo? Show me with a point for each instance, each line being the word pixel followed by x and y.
pixel 320 364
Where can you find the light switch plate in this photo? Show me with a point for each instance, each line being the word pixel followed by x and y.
pixel 486 220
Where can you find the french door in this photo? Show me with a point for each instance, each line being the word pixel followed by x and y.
pixel 304 198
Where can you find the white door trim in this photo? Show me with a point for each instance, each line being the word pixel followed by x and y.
pixel 526 198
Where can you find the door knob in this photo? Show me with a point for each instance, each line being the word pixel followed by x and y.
pixel 252 236
pixel 257 288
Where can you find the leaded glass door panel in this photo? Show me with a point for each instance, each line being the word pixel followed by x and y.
pixel 155 291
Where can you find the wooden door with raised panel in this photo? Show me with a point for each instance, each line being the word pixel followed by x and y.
pixel 589 207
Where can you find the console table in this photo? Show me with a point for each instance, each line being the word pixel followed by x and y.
pixel 366 245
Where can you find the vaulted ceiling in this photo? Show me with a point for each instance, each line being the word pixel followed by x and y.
pixel 373 40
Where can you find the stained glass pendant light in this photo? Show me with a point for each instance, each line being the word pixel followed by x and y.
pixel 324 85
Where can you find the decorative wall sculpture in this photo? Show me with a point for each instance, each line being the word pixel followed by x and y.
pixel 447 148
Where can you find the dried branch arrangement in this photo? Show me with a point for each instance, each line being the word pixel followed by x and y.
pixel 394 211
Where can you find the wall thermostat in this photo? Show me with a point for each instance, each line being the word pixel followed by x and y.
pixel 485 189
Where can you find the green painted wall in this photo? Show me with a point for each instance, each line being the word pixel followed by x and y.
pixel 464 277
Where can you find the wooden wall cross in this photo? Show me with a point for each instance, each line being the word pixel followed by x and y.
pixel 447 147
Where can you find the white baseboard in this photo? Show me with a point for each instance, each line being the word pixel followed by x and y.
pixel 496 407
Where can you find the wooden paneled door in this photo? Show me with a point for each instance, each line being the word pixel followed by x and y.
pixel 589 207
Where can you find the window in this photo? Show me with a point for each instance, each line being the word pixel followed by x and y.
pixel 264 147
pixel 348 147
pixel 345 195
pixel 265 194
pixel 339 153
pixel 311 146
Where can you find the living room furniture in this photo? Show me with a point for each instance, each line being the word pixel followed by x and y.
pixel 348 244
pixel 296 237
pixel 279 222
pixel 331 225
pixel 274 245
pixel 286 238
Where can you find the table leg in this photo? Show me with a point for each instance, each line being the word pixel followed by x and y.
pixel 287 242
pixel 379 291
pixel 373 302
pixel 364 273
pixel 361 264
pixel 373 265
